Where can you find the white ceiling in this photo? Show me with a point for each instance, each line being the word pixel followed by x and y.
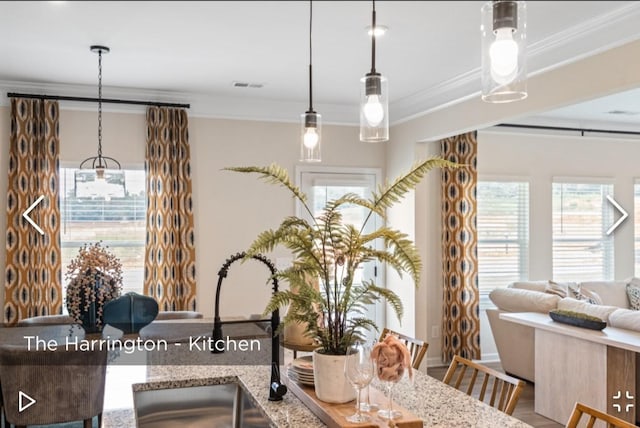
pixel 619 112
pixel 194 51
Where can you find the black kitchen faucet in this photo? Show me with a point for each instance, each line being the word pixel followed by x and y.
pixel 276 388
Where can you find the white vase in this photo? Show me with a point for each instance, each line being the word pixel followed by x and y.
pixel 331 384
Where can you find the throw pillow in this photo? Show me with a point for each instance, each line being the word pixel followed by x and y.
pixel 625 318
pixel 633 292
pixel 590 296
pixel 557 288
pixel 515 300
pixel 575 291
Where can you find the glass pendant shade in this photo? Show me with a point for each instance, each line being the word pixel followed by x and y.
pixel 504 51
pixel 310 136
pixel 310 121
pixel 374 108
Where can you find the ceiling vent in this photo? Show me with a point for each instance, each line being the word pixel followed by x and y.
pixel 623 112
pixel 247 85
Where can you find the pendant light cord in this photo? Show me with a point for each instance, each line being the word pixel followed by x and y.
pixel 373 38
pixel 99 106
pixel 99 162
pixel 310 57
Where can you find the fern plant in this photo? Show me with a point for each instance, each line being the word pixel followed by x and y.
pixel 329 250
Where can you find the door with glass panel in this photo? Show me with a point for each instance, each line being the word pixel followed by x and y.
pixel 325 184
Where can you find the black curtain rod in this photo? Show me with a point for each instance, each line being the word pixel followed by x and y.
pixel 562 128
pixel 95 100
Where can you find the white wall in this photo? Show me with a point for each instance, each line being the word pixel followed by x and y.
pixel 230 208
pixel 596 76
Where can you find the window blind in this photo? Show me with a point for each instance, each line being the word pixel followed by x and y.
pixel 503 233
pixel 581 216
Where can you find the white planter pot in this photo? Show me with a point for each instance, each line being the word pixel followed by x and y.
pixel 330 382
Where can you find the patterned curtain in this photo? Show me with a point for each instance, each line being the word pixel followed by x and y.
pixel 170 256
pixel 32 269
pixel 461 323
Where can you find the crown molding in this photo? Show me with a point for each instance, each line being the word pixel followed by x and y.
pixel 589 38
pixel 202 105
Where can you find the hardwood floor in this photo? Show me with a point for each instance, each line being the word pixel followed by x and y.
pixel 524 409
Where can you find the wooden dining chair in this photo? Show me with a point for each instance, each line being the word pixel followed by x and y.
pixel 594 415
pixel 417 348
pixel 501 390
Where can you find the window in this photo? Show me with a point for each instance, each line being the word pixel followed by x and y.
pixel 636 216
pixel 323 184
pixel 581 216
pixel 503 233
pixel 112 210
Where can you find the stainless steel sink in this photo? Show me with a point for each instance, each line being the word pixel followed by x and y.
pixel 211 406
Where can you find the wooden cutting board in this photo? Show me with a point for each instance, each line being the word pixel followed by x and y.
pixel 333 415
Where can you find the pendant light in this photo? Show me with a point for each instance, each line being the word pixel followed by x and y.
pixel 310 121
pixel 374 99
pixel 100 163
pixel 504 71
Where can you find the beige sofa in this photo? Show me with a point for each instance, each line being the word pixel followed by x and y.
pixel 515 342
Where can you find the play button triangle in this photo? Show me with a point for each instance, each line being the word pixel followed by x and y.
pixel 24 401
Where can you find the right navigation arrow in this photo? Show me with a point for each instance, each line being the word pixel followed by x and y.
pixel 621 219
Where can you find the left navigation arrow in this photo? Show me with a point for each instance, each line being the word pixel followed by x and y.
pixel 26 215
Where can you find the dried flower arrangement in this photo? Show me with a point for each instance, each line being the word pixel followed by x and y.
pixel 93 277
pixel 392 358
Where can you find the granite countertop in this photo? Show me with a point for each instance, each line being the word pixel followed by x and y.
pixel 437 404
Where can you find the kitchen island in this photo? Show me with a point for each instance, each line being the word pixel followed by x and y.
pixel 439 405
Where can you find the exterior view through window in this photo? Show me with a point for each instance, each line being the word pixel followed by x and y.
pixel 582 251
pixel 112 210
pixel 325 184
pixel 503 233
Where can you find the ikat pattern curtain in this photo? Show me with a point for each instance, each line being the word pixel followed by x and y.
pixel 461 323
pixel 32 263
pixel 170 257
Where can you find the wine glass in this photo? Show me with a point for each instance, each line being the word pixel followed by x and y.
pixel 366 405
pixel 389 383
pixel 358 369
